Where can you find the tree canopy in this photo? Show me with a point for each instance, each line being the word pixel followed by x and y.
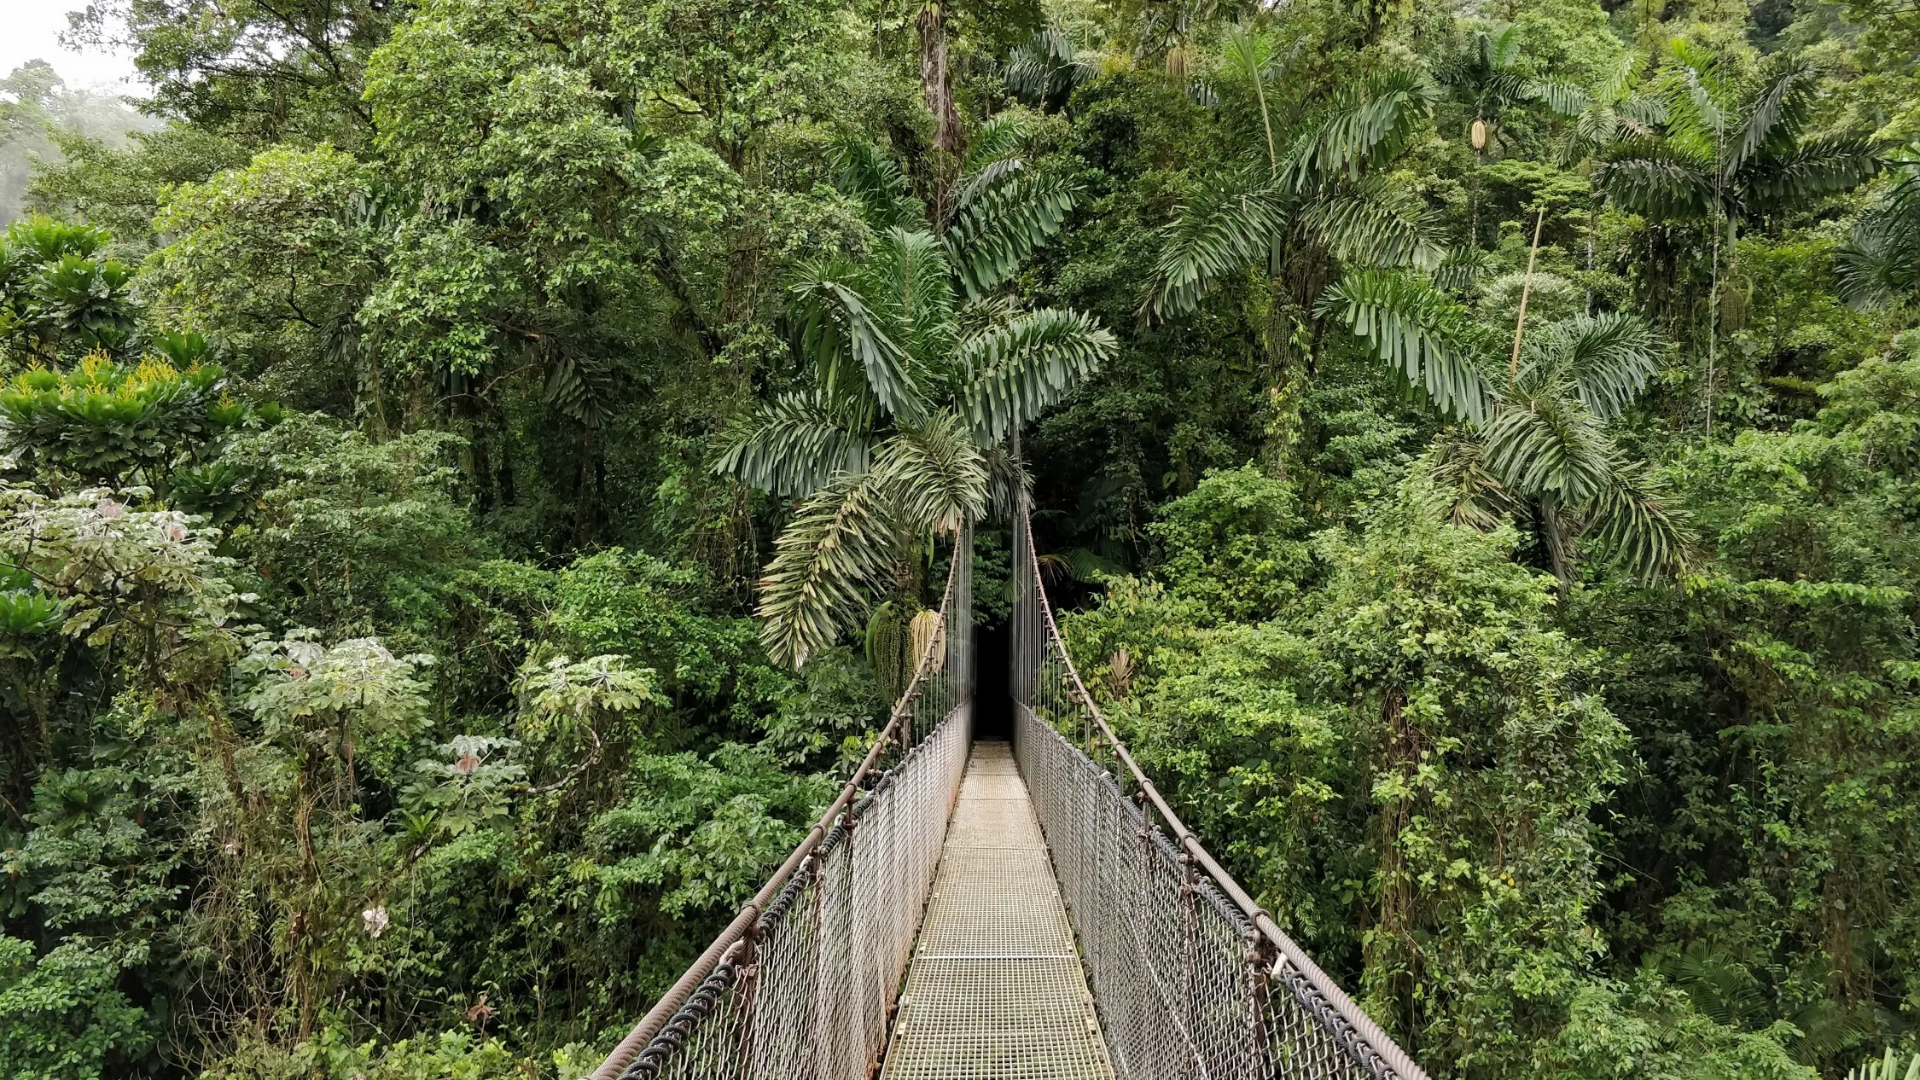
pixel 471 470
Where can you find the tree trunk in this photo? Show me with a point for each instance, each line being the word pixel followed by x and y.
pixel 936 82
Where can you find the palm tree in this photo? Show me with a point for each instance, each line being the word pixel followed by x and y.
pixel 1537 444
pixel 1044 70
pixel 1318 200
pixel 1880 264
pixel 1302 198
pixel 921 364
pixel 1727 153
pixel 1490 79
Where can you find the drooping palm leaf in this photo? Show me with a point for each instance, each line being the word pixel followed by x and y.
pixel 1369 122
pixel 837 324
pixel 1813 168
pixel 934 474
pixel 1377 223
pixel 1632 519
pixel 866 174
pixel 1020 367
pixel 1419 331
pixel 908 281
pixel 795 445
pixel 1228 224
pixel 1462 269
pixel 838 544
pixel 1561 96
pixel 1045 69
pixel 1547 445
pixel 1608 358
pixel 1468 494
pixel 1003 225
pixel 1776 115
pixel 1660 181
pixel 1880 263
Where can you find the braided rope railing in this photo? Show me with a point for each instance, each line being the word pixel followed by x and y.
pixel 803 982
pixel 1192 978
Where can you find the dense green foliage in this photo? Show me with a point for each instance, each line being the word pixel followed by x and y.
pixel 467 476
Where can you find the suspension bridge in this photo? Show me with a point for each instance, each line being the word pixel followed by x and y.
pixel 1021 911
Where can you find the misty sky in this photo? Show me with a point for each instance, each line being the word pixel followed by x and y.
pixel 31 29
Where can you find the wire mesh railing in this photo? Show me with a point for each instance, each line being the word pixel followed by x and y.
pixel 1191 977
pixel 803 982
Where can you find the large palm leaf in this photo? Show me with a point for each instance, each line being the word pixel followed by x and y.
pixel 1880 263
pixel 794 445
pixel 1019 368
pixel 1606 360
pixel 1002 225
pixel 848 342
pixel 934 475
pixel 1426 336
pixel 1632 519
pixel 1368 123
pixel 1377 223
pixel 839 543
pixel 1545 444
pixel 1230 223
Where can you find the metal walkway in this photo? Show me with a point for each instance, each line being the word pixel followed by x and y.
pixel 948 914
pixel 995 990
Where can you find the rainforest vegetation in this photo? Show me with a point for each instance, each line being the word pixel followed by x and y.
pixel 463 464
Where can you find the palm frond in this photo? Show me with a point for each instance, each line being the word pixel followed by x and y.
pixel 1228 225
pixel 1887 1068
pixel 1045 69
pixel 1775 116
pixel 1465 491
pixel 999 138
pixel 1377 223
pixel 1020 367
pixel 1421 332
pixel 864 173
pixel 1659 181
pixel 1696 96
pixel 934 475
pixel 1462 269
pixel 1880 263
pixel 1007 480
pixel 1369 123
pixel 1560 96
pixel 1546 445
pixel 1631 518
pixel 1003 225
pixel 839 543
pixel 836 323
pixel 976 183
pixel 1608 358
pixel 793 446
pixel 1246 55
pixel 1813 168
pixel 909 283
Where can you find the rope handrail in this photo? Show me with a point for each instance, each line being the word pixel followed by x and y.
pixel 733 940
pixel 1363 1026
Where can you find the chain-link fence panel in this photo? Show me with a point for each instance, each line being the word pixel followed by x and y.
pixel 1193 981
pixel 802 984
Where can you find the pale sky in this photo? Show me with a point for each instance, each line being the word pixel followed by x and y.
pixel 30 29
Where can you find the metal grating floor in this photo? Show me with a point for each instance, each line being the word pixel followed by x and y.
pixel 995 990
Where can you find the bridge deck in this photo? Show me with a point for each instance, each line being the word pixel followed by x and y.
pixel 995 989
